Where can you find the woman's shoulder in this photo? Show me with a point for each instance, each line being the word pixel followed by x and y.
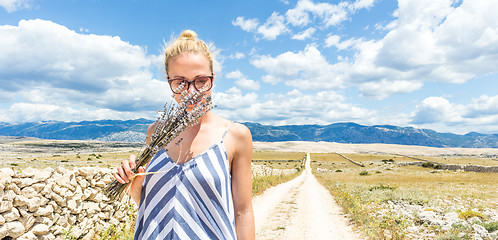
pixel 236 130
pixel 239 130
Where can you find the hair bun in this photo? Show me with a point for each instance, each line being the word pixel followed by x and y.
pixel 188 34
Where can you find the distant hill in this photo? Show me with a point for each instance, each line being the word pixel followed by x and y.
pixel 134 131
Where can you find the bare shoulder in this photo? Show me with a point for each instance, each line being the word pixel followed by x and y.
pixel 240 141
pixel 240 132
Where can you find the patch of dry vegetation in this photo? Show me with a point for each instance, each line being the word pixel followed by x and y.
pixel 371 195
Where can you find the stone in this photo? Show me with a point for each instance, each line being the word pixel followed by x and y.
pixel 83 183
pixel 20 201
pixel 474 220
pixel 34 204
pixel 49 221
pixel 12 215
pixel 430 218
pixel 74 206
pixel 90 235
pixel 28 236
pixel 91 207
pixel 2 220
pixel 72 219
pixel 480 230
pixel 100 184
pixel 12 186
pixel 6 174
pixel 14 229
pixel 114 221
pixel 28 221
pixel 38 187
pixel 77 232
pixel 67 181
pixel 85 171
pixel 59 200
pixel 23 182
pixel 29 192
pixel 40 229
pixel 62 221
pixel 44 211
pixel 48 236
pixel 42 175
pixel 9 195
pixel 28 172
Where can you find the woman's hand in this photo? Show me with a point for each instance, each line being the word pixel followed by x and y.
pixel 125 174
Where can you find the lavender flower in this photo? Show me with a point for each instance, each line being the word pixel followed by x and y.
pixel 174 119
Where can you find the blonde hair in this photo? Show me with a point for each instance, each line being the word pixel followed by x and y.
pixel 187 42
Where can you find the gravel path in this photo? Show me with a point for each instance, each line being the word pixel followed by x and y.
pixel 300 209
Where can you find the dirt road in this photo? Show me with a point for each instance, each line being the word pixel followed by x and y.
pixel 300 209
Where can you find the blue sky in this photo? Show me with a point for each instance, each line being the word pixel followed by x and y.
pixel 421 63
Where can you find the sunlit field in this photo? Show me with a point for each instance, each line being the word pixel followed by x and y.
pixel 388 201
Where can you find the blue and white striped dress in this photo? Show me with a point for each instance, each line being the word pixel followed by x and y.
pixel 191 201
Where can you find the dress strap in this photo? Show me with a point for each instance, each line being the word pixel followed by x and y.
pixel 226 130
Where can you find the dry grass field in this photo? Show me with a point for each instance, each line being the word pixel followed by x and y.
pixel 389 201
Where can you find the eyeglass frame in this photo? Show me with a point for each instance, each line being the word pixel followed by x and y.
pixel 211 78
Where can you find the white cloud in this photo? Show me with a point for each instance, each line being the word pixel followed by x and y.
pixel 437 109
pixel 306 69
pixel 293 107
pixel 235 75
pixel 14 5
pixel 383 89
pixel 480 115
pixel 237 55
pixel 330 14
pixel 428 41
pixel 46 63
pixel 334 40
pixel 304 13
pixel 248 25
pixel 242 81
pixel 482 107
pixel 304 34
pixel 273 27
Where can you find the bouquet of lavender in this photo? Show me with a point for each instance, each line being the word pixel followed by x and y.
pixel 174 119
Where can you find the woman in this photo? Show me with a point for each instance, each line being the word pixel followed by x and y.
pixel 206 194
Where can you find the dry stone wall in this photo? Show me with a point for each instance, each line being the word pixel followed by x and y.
pixel 59 203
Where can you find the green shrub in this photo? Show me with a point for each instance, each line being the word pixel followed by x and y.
pixel 364 173
pixel 382 187
pixel 491 226
pixel 470 214
pixel 338 170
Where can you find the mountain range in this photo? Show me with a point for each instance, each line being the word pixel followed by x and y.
pixel 134 131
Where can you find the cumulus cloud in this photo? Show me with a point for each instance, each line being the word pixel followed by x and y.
pixel 14 5
pixel 242 81
pixel 304 13
pixel 481 114
pixel 304 34
pixel 237 55
pixel 428 41
pixel 330 14
pixel 46 63
pixel 334 40
pixel 292 107
pixel 383 89
pixel 248 25
pixel 274 26
pixel 307 69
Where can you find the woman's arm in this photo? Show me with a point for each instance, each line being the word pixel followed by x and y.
pixel 242 181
